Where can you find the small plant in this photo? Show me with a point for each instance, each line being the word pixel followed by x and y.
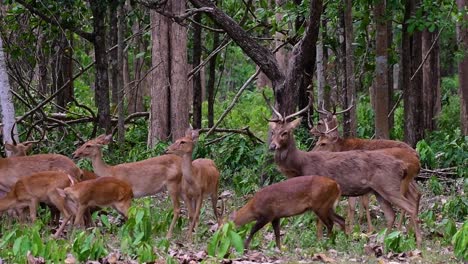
pixel 460 242
pixel 223 239
pixel 435 186
pixel 398 242
pixel 456 208
pixel 89 246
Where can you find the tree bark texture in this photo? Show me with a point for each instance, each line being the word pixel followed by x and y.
pixel 380 84
pixel 113 54
pixel 197 85
pixel 120 80
pixel 210 87
pixel 6 100
pixel 431 81
pixel 160 101
pixel 350 123
pixel 100 55
pixel 462 37
pixel 180 105
pixel 390 69
pixel 412 89
pixel 135 91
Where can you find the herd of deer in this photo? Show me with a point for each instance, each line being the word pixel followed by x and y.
pixel 317 179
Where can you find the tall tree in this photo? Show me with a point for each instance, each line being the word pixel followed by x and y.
pixel 197 81
pixel 380 84
pixel 170 103
pixel 6 101
pixel 462 36
pixel 431 80
pixel 350 118
pixel 412 85
pixel 210 86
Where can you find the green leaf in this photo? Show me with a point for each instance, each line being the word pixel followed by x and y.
pixel 139 216
pixel 105 221
pixel 6 238
pixel 223 248
pixel 17 245
pixel 236 241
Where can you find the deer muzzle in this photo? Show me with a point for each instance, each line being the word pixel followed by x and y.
pixel 272 146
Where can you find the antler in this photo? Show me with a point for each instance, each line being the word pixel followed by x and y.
pixel 323 110
pixel 280 117
pixel 12 134
pixel 327 130
pixel 304 109
pixel 346 110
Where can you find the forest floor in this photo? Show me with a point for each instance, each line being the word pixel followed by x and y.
pixel 298 237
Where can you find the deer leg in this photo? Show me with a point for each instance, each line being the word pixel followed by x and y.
pixel 407 206
pixel 214 201
pixel 388 211
pixel 196 217
pixel 365 207
pixel 338 219
pixel 174 193
pixel 351 211
pixel 319 228
pixel 62 226
pixel 79 215
pixel 33 209
pixel 258 225
pixel 276 228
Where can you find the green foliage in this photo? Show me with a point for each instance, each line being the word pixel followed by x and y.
pixel 223 239
pixel 460 242
pixel 435 186
pixel 457 208
pixel 89 246
pixel 399 242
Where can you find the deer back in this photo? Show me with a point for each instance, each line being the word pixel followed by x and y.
pixel 14 168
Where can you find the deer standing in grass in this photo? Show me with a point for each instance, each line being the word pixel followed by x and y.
pixel 357 172
pixel 38 187
pixel 146 177
pixel 288 198
pixel 329 140
pixel 199 178
pixel 101 192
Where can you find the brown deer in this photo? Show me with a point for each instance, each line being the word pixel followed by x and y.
pixel 38 187
pixel 20 149
pixel 101 192
pixel 357 172
pixel 288 198
pixel 329 140
pixel 199 178
pixel 147 177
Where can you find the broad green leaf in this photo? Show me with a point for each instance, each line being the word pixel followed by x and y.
pixel 236 241
pixel 223 248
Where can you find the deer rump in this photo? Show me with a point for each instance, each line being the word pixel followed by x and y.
pixel 357 172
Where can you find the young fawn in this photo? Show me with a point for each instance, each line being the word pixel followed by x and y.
pixel 288 198
pixel 199 178
pixel 38 187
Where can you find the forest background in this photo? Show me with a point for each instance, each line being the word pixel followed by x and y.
pixel 143 70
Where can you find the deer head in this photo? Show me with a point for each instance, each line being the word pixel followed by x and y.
pixel 93 147
pixel 184 144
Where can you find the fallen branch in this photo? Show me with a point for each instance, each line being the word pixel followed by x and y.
pixel 245 131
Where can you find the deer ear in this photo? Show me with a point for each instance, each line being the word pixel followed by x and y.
pixel 28 145
pixel 9 147
pixel 107 139
pixel 314 132
pixel 188 132
pixel 273 125
pixel 293 124
pixel 61 192
pixel 195 134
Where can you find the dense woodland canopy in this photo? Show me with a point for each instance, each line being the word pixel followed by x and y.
pixel 146 70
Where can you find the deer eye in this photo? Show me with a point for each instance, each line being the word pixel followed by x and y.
pixel 322 144
pixel 182 142
pixel 87 146
pixel 284 134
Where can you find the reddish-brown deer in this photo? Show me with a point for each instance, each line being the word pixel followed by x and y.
pixel 101 192
pixel 329 140
pixel 20 149
pixel 288 198
pixel 146 177
pixel 39 187
pixel 200 178
pixel 357 172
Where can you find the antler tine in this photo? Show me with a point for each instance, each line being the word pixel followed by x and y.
pixel 323 110
pixel 347 109
pixel 12 134
pixel 280 117
pixel 303 110
pixel 327 130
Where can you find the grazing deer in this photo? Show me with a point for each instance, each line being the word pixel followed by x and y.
pixel 199 178
pixel 39 187
pixel 101 192
pixel 289 198
pixel 146 177
pixel 357 172
pixel 329 140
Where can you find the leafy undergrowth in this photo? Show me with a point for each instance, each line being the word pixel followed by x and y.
pixel 142 237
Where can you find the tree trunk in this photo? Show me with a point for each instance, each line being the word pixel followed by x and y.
pixel 431 81
pixel 101 79
pixel 350 123
pixel 179 83
pixel 135 91
pixel 380 84
pixel 412 89
pixel 160 104
pixel 63 71
pixel 6 101
pixel 462 36
pixel 113 54
pixel 210 87
pixel 120 62
pixel 197 85
pixel 390 69
pixel 42 62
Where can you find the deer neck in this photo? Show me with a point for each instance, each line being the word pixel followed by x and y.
pixel 187 168
pixel 99 166
pixel 288 153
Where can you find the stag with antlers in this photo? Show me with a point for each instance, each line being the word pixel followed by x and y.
pixel 357 172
